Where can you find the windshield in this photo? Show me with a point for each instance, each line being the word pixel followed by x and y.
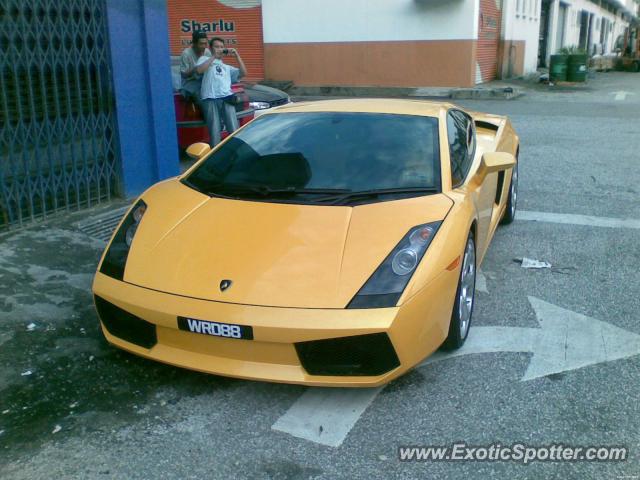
pixel 301 157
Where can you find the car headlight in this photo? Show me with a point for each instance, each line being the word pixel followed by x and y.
pixel 116 257
pixel 259 105
pixel 384 287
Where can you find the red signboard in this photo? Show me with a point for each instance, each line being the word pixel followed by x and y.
pixel 238 22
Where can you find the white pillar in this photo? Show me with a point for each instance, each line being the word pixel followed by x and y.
pixel 552 41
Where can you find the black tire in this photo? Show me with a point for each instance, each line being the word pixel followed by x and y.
pixel 461 317
pixel 635 67
pixel 512 200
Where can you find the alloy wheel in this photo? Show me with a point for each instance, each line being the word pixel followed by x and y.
pixel 467 287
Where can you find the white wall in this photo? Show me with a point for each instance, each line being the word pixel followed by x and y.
pixel 521 21
pixel 630 5
pixel 572 30
pixel 298 21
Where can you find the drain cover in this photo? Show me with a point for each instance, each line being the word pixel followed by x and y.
pixel 102 226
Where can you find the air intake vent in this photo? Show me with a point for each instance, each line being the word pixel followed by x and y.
pixel 360 355
pixel 125 325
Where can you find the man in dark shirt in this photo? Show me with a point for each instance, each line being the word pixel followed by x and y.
pixel 192 80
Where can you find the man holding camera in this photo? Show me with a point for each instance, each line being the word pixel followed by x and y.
pixel 217 98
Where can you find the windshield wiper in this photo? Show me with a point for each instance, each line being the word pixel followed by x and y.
pixel 331 196
pixel 312 191
pixel 265 191
pixel 357 195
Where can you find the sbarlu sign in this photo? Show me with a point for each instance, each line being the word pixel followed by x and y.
pixel 215 26
pixel 238 22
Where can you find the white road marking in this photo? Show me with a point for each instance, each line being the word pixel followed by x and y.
pixel 565 341
pixel 621 95
pixel 326 415
pixel 571 219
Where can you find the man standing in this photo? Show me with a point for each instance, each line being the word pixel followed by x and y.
pixel 216 93
pixel 191 80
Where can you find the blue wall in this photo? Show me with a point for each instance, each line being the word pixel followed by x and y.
pixel 141 70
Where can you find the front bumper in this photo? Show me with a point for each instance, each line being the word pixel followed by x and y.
pixel 280 335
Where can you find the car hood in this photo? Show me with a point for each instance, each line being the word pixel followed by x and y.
pixel 262 93
pixel 274 254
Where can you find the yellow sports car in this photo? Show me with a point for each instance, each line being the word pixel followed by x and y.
pixel 328 243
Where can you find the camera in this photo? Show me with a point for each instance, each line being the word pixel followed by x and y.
pixel 225 51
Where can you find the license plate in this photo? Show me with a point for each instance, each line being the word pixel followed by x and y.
pixel 216 329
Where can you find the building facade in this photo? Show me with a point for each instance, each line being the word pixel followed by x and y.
pixel 590 25
pixel 533 30
pixel 413 43
pixel 383 43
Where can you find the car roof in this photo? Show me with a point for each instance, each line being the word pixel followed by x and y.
pixel 370 105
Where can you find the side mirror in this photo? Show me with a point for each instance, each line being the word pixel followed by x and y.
pixel 198 150
pixel 494 162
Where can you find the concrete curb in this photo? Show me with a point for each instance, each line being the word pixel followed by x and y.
pixel 502 93
pixel 494 93
pixel 341 91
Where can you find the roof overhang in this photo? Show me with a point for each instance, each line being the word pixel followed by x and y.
pixel 621 5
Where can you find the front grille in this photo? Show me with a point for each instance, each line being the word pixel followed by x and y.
pixel 125 325
pixel 360 355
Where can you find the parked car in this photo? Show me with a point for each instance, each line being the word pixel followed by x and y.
pixel 262 97
pixel 329 243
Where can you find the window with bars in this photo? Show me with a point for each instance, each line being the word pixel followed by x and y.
pixel 58 136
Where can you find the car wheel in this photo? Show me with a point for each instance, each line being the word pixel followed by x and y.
pixel 635 67
pixel 512 200
pixel 465 296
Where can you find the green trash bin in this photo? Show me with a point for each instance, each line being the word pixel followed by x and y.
pixel 577 68
pixel 558 68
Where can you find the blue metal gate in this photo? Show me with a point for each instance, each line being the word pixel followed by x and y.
pixel 58 136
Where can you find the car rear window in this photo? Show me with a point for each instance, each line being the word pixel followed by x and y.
pixel 327 150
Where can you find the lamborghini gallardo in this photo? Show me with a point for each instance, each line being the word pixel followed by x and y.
pixel 330 243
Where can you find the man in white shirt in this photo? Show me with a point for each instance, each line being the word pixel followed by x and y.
pixel 216 94
pixel 191 80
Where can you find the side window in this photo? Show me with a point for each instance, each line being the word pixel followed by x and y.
pixel 462 144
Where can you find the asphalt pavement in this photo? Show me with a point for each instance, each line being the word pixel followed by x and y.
pixel 564 372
